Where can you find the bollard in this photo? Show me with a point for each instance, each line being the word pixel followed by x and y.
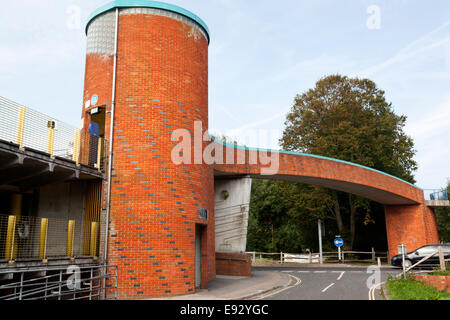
pixel 9 247
pixel 441 258
pixel 94 237
pixel 20 127
pixel 99 154
pixel 51 137
pixel 43 240
pixel 76 147
pixel 70 235
pixel 373 254
pixel 379 262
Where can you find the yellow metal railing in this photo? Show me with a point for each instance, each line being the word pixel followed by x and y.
pixel 43 238
pixel 31 129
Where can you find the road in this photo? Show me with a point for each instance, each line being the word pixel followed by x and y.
pixel 329 282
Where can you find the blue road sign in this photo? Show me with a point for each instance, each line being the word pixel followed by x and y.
pixel 338 242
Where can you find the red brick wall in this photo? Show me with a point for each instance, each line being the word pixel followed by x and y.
pixel 414 226
pixel 291 165
pixel 442 283
pixel 233 264
pixel 162 85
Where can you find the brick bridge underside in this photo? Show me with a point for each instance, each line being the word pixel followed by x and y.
pixel 408 219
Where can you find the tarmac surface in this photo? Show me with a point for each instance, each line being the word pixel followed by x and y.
pixel 298 282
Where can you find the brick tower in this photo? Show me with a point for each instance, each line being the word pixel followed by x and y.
pixel 158 234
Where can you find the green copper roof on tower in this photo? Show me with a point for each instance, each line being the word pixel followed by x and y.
pixel 148 4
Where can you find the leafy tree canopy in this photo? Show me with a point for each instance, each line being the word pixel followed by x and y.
pixel 351 120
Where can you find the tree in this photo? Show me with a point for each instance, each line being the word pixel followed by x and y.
pixel 443 221
pixel 349 119
pixel 283 218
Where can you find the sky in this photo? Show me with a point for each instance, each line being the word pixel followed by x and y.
pixel 262 54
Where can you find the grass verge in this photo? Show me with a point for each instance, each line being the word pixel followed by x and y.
pixel 440 273
pixel 410 289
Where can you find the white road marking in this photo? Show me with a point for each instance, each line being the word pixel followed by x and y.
pixel 320 271
pixel 356 271
pixel 287 271
pixel 301 271
pixel 328 287
pixel 373 289
pixel 342 273
pixel 297 283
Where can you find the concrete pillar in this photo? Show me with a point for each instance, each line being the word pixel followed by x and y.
pixel 232 205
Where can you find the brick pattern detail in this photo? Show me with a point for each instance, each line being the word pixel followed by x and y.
pixel 442 283
pixel 162 85
pixel 233 264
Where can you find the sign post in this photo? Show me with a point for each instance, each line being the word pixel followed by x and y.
pixel 338 242
pixel 402 251
pixel 319 225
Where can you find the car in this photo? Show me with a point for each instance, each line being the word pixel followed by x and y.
pixel 415 256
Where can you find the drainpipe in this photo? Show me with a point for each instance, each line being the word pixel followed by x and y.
pixel 111 154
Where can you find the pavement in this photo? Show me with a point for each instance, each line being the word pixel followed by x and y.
pixel 240 288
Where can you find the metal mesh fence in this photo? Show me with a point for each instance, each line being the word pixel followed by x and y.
pixel 32 129
pixel 435 194
pixel 9 120
pixel 24 238
pixel 3 235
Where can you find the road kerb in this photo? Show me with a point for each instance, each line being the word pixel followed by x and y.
pixel 295 281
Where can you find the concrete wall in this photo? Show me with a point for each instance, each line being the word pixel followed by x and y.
pixel 60 203
pixel 232 214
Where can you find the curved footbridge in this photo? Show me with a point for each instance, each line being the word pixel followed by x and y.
pixel 410 219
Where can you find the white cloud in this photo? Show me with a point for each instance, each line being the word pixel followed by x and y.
pixel 9 55
pixel 315 67
pixel 419 46
pixel 435 122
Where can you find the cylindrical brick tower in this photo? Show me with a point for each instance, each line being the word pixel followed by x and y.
pixel 158 235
